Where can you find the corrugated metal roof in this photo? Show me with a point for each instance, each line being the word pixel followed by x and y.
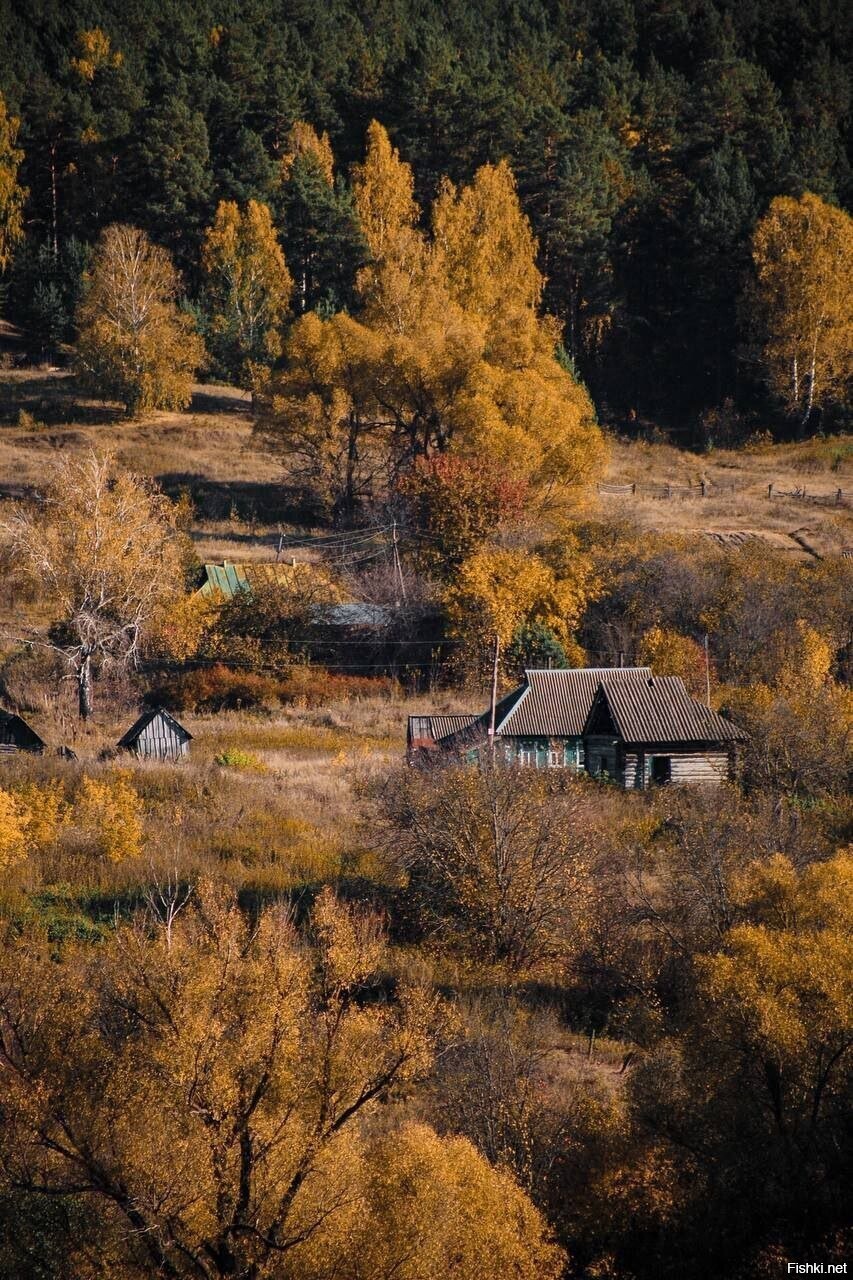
pixel 659 709
pixel 443 726
pixel 556 703
pixel 437 727
pixel 550 703
pixel 353 613
pixel 228 579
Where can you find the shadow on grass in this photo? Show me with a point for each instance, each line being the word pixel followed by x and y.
pixel 52 399
pixel 247 499
pixel 221 400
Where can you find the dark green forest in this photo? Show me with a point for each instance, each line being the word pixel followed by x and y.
pixel 647 137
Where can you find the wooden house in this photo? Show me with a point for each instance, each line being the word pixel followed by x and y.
pixel 651 732
pixel 540 723
pixel 16 735
pixel 621 723
pixel 157 735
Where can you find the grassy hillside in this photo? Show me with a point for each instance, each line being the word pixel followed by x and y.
pixel 242 498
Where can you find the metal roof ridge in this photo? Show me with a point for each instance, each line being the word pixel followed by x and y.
pixel 525 691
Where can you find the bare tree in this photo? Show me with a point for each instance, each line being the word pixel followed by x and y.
pixel 102 550
pixel 496 857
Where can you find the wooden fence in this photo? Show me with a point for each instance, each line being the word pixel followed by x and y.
pixel 838 497
pixel 703 489
pixel 709 489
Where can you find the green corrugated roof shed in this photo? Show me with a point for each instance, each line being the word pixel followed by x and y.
pixel 227 579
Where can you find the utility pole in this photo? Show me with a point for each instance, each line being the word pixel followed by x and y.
pixel 707 672
pixel 494 699
pixel 398 568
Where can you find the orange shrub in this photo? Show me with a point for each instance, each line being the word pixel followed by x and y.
pixel 215 688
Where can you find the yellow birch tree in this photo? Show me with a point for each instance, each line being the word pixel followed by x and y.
pixel 803 300
pixel 135 345
pixel 248 288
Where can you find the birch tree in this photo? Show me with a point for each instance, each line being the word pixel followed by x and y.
pixel 102 550
pixel 248 287
pixel 803 300
pixel 135 345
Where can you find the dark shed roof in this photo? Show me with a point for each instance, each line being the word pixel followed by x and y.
pixel 14 731
pixel 140 725
pixel 659 709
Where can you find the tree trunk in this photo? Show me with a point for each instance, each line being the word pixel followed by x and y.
pixel 84 687
pixel 810 398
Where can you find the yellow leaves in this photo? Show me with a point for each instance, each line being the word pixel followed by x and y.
pixel 303 140
pixel 45 813
pixel 12 195
pixel 449 354
pixel 108 813
pixel 135 345
pixel 95 53
pixel 486 245
pixel 384 193
pixel 32 817
pixel 803 255
pixel 497 590
pixel 103 554
pixel 786 985
pixel 809 663
pixel 669 653
pixel 468 1219
pixel 350 944
pixel 184 626
pixel 13 842
pixel 248 286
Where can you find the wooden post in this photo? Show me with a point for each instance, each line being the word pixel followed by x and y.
pixel 838 497
pixel 398 568
pixel 494 699
pixel 770 489
pixel 703 488
pixel 634 489
pixel 707 672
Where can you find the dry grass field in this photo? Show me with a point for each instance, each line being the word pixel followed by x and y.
pixel 802 528
pixel 242 499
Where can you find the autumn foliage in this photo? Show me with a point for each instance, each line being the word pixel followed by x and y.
pixel 447 354
pixel 265 1070
pixel 135 345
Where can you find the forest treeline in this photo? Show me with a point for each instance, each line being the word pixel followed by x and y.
pixel 646 141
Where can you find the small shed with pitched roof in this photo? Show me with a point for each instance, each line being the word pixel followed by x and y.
pixel 157 735
pixel 16 735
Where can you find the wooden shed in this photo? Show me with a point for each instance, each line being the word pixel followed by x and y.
pixel 157 735
pixel 16 735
